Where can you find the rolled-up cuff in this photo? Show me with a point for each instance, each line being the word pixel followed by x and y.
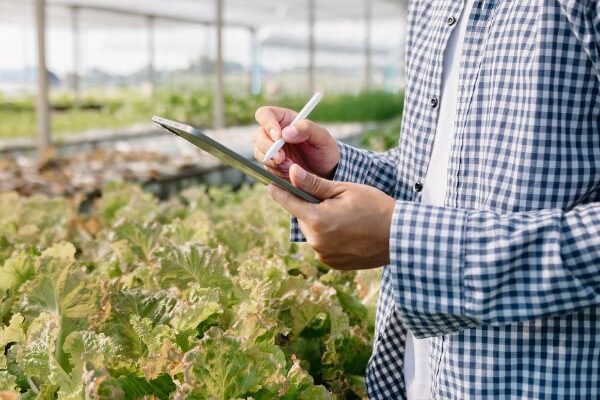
pixel 426 253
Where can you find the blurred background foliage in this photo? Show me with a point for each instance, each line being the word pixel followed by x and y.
pixel 128 107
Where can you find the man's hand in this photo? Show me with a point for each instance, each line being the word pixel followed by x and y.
pixel 350 229
pixel 308 144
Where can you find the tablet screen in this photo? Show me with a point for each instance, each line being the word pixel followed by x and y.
pixel 230 157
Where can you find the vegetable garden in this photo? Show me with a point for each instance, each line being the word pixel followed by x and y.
pixel 198 297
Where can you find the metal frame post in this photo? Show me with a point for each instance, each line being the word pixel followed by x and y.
pixel 255 64
pixel 368 84
pixel 151 23
pixel 75 27
pixel 312 46
pixel 43 103
pixel 219 87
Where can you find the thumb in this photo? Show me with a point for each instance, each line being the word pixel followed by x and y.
pixel 312 184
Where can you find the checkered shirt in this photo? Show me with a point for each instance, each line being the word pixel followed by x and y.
pixel 505 279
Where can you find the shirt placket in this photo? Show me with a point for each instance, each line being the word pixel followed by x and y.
pixel 482 15
pixel 446 16
pixel 446 20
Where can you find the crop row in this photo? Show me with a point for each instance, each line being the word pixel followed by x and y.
pixel 198 297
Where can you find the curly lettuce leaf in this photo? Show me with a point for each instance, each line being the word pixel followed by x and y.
pixel 8 383
pixel 143 239
pixel 193 263
pixel 313 303
pixel 16 270
pixel 122 305
pixel 100 385
pixel 202 303
pixel 14 332
pixel 221 367
pixel 161 355
pixel 96 349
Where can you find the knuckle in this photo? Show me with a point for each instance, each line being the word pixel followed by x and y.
pixel 314 186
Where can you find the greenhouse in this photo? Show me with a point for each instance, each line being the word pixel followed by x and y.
pixel 133 265
pixel 299 200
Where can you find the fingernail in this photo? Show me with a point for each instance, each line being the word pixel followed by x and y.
pixel 300 173
pixel 273 133
pixel 270 189
pixel 291 133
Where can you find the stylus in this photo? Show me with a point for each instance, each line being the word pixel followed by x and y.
pixel 303 114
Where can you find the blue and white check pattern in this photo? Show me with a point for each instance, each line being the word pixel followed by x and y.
pixel 505 279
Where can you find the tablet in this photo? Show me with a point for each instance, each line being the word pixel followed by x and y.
pixel 230 157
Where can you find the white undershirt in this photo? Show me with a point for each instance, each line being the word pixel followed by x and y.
pixel 416 357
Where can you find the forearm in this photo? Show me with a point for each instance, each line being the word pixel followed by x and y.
pixel 454 269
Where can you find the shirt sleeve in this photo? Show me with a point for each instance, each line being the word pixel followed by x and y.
pixel 366 168
pixel 454 269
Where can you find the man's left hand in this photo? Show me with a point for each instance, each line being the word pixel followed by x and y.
pixel 350 229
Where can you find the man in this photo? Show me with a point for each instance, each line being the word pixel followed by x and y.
pixel 487 215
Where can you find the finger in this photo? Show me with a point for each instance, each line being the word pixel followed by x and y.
pixel 283 167
pixel 260 156
pixel 319 187
pixel 282 174
pixel 307 131
pixel 263 143
pixel 294 205
pixel 273 119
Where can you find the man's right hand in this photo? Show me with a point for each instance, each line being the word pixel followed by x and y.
pixel 307 144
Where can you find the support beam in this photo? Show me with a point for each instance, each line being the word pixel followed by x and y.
pixel 368 84
pixel 76 34
pixel 312 46
pixel 43 103
pixel 255 64
pixel 133 13
pixel 151 23
pixel 219 87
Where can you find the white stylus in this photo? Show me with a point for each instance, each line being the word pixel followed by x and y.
pixel 303 114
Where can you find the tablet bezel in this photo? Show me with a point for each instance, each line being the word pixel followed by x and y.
pixel 230 157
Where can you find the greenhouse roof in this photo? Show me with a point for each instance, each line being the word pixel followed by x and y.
pixel 244 13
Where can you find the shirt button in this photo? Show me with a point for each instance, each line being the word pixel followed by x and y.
pixel 418 187
pixel 434 102
pixel 451 21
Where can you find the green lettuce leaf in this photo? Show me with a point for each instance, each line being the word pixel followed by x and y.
pixel 161 355
pixel 61 291
pixel 16 270
pixel 193 263
pixel 14 332
pixel 202 303
pixel 222 368
pixel 143 239
pixel 100 385
pixel 96 349
pixel 8 382
pixel 122 305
